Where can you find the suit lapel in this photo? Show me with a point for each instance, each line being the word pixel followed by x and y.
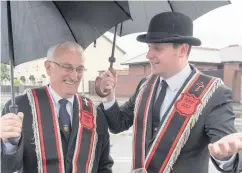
pixel 75 123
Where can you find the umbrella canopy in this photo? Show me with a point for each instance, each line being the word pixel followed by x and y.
pixel 37 25
pixel 29 28
pixel 143 11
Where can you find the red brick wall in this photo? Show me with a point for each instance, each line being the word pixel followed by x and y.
pixel 126 84
pixel 137 69
pixel 237 83
pixel 229 71
pixel 206 66
pixel 232 79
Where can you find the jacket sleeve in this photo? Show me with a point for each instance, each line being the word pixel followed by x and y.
pixel 105 161
pixel 220 120
pixel 120 118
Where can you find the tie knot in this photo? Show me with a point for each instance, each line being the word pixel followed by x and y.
pixel 164 84
pixel 63 102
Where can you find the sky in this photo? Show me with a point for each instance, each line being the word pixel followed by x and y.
pixel 218 28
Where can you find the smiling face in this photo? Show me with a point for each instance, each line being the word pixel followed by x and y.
pixel 166 60
pixel 63 78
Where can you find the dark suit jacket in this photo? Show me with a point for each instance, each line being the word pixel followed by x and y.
pixel 26 156
pixel 240 161
pixel 216 121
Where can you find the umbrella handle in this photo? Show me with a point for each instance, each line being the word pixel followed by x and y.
pixel 13 109
pixel 98 90
pixel 98 80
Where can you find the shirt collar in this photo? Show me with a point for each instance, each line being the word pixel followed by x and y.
pixel 178 79
pixel 56 97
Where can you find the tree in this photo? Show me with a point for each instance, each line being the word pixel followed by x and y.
pixel 5 73
pixel 16 82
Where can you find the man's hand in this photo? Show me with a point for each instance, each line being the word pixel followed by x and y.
pixel 226 147
pixel 108 82
pixel 11 125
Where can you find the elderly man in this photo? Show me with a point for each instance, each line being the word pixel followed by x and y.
pixel 58 130
pixel 179 115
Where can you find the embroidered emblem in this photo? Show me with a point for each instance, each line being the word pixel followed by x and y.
pixel 86 101
pixel 87 120
pixel 187 104
pixel 199 85
pixel 66 128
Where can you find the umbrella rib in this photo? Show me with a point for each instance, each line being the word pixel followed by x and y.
pixel 170 5
pixel 121 29
pixel 10 33
pixel 65 22
pixel 123 9
pixel 11 53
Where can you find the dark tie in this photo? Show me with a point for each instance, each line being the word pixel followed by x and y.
pixel 64 118
pixel 157 106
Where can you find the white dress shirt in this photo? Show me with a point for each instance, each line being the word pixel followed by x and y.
pixel 55 98
pixel 174 84
pixel 9 148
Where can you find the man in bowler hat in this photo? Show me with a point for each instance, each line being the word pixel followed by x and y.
pixel 180 116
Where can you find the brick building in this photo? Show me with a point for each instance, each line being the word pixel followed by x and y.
pixel 224 63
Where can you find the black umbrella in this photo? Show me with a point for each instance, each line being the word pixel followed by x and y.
pixel 143 11
pixel 29 28
pixel 37 25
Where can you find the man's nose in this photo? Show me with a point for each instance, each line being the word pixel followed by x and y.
pixel 149 54
pixel 74 75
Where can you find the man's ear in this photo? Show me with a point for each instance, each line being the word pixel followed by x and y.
pixel 184 49
pixel 47 67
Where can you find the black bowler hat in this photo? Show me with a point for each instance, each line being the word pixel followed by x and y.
pixel 170 27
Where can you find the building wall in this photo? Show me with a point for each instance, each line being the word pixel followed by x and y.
pixel 237 91
pixel 232 78
pixel 128 83
pixel 206 66
pixel 232 73
pixel 97 60
pixel 121 74
pixel 229 72
pixel 35 68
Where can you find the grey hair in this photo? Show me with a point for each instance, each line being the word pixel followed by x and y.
pixel 72 46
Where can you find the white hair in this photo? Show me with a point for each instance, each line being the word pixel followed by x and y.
pixel 72 46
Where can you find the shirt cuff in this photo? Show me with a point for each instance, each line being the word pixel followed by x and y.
pixel 226 165
pixel 108 105
pixel 8 148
